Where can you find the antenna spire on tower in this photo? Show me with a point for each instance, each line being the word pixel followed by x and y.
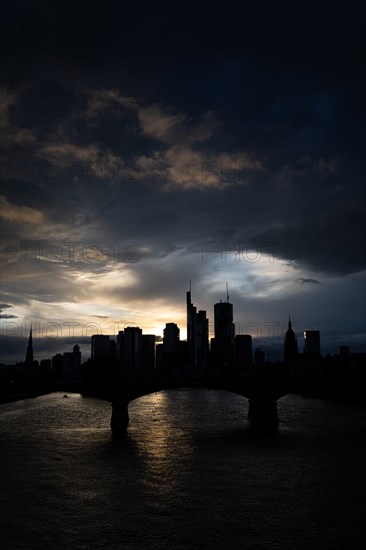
pixel 227 293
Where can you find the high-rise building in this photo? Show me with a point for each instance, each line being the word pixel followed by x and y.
pixel 58 366
pixel 100 346
pixel 169 354
pixel 223 344
pixel 29 355
pixel 191 331
pixel 129 348
pixel 45 365
pixel 77 357
pixel 68 365
pixel 312 343
pixel 197 335
pixel 290 353
pixel 202 339
pixel 171 337
pixel 71 363
pixel 344 351
pixel 148 351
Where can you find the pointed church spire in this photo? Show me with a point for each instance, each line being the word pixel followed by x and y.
pixel 290 345
pixel 29 356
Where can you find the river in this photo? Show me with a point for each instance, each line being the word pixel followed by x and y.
pixel 190 472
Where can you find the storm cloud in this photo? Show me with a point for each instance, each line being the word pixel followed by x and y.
pixel 141 150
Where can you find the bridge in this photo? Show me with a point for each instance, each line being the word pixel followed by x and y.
pixel 263 392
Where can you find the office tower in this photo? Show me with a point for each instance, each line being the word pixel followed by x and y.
pixel 224 341
pixel 68 365
pixel 243 352
pixel 100 346
pixel 290 353
pixel 312 343
pixel 197 335
pixel 148 351
pixel 344 351
pixel 45 364
pixel 171 337
pixel 58 366
pixel 71 363
pixel 171 354
pixel 191 331
pixel 202 339
pixel 129 348
pixel 76 360
pixel 29 354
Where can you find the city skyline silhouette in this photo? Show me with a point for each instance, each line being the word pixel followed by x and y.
pixel 134 364
pixel 269 340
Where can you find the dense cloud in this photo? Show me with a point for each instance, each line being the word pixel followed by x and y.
pixel 143 148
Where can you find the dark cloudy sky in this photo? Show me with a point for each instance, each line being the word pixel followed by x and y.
pixel 150 143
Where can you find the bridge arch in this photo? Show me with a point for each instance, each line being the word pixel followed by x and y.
pixel 262 400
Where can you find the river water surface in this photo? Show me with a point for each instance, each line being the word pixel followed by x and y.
pixel 188 473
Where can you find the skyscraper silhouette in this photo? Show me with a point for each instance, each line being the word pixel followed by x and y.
pixel 129 348
pixel 202 339
pixel 171 337
pixel 224 341
pixel 148 351
pixel 197 335
pixel 312 343
pixel 191 331
pixel 29 355
pixel 100 346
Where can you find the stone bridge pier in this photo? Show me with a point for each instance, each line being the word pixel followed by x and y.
pixel 262 402
pixel 120 400
pixel 263 411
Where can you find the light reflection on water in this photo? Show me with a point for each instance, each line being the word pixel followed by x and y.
pixel 189 472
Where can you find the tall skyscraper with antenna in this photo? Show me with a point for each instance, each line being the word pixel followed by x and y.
pixel 191 330
pixel 223 345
